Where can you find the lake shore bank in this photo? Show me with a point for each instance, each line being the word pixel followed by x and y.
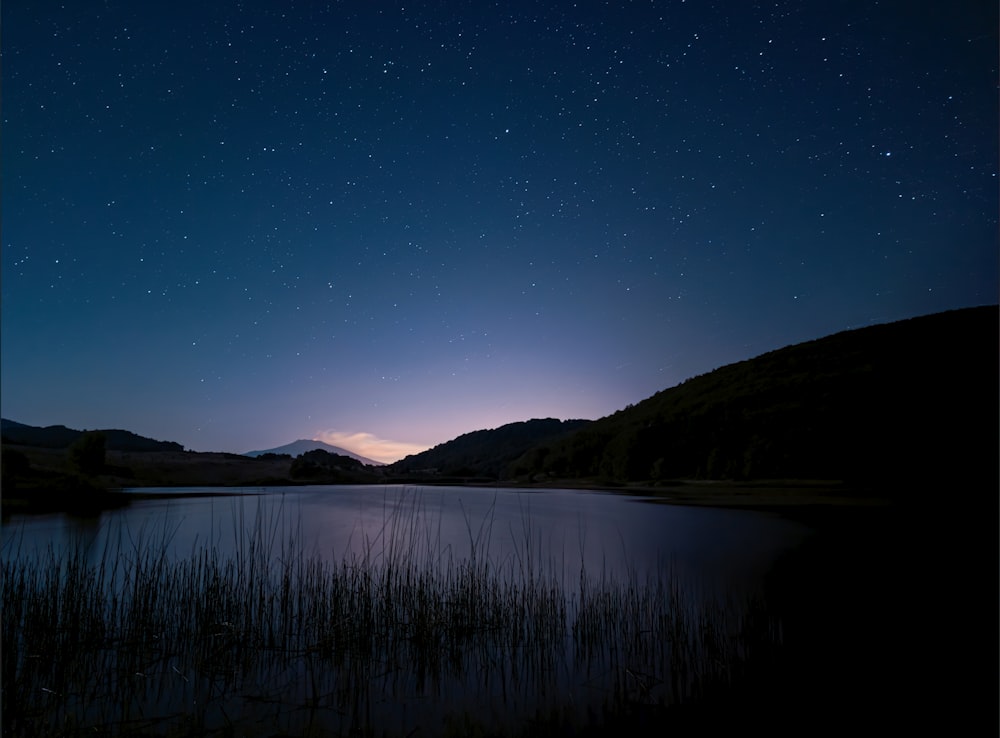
pixel 802 500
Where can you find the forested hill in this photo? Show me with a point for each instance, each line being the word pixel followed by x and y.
pixel 915 400
pixel 484 453
pixel 59 436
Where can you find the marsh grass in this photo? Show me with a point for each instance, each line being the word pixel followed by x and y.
pixel 401 637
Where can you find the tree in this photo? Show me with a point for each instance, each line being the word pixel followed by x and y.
pixel 88 453
pixel 13 464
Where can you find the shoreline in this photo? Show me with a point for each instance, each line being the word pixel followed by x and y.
pixel 803 500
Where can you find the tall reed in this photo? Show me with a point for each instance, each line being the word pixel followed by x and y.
pixel 402 636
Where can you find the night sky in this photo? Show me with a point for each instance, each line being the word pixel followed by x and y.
pixel 235 224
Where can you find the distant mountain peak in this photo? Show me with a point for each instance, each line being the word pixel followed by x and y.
pixel 301 446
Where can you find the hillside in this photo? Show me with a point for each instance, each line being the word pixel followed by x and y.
pixel 911 400
pixel 484 453
pixel 59 436
pixel 915 402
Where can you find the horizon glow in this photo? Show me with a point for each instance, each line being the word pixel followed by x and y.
pixel 370 446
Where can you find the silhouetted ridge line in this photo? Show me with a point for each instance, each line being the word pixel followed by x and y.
pixel 59 436
pixel 904 401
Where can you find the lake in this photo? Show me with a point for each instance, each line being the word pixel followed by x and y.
pixel 603 531
pixel 500 604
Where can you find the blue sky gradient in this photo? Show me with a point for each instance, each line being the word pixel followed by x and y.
pixel 232 225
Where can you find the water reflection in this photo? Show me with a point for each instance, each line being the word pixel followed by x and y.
pixel 361 609
pixel 565 529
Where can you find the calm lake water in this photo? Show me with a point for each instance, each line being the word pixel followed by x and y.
pixel 637 639
pixel 604 532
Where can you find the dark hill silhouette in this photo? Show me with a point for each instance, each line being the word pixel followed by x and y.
pixel 914 402
pixel 911 400
pixel 59 436
pixel 485 453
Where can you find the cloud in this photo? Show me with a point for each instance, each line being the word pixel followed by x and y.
pixel 370 445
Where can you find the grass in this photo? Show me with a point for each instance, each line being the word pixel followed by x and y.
pixel 402 639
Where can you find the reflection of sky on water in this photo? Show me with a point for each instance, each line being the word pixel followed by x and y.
pixel 558 531
pixel 500 677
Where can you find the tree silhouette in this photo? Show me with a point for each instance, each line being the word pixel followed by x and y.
pixel 88 453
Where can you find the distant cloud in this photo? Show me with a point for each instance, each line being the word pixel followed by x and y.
pixel 367 444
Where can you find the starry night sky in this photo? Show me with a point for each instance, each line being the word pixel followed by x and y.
pixel 235 224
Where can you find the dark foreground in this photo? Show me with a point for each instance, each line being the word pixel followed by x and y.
pixel 891 622
pixel 888 620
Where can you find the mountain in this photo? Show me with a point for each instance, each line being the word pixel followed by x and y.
pixel 59 436
pixel 913 403
pixel 297 448
pixel 485 453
